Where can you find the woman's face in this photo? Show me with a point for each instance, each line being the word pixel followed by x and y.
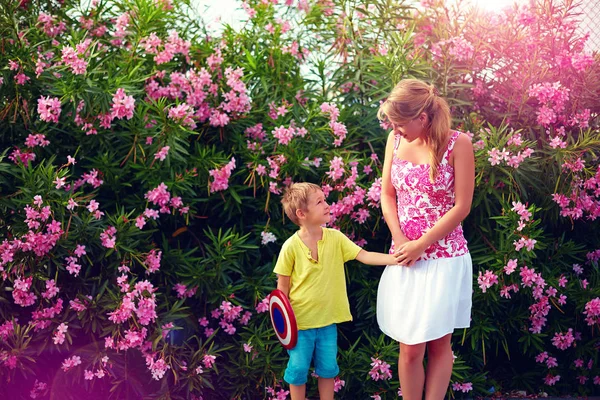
pixel 409 130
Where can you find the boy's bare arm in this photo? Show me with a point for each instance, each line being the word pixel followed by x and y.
pixel 283 284
pixel 372 258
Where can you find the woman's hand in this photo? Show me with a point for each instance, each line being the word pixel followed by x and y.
pixel 407 253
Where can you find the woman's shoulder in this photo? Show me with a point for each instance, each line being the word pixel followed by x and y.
pixel 462 140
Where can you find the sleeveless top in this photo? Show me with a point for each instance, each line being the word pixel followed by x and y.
pixel 422 203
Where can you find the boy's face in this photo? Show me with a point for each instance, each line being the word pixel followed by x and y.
pixel 317 212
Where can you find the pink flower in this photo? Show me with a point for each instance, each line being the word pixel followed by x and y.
pixel 153 261
pixel 21 78
pixel 336 168
pixel 107 237
pixel 263 306
pixel 162 153
pixel 487 280
pixel 338 384
pixel 208 361
pixel 69 363
pixel 59 334
pixel 123 105
pixel 380 370
pixel 247 347
pixel 563 340
pixel 49 109
pixel 221 177
pixel 510 267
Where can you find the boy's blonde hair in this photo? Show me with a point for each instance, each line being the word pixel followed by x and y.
pixel 295 198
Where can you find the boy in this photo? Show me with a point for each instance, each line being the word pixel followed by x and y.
pixel 310 270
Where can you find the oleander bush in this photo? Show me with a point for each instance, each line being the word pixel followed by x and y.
pixel 143 155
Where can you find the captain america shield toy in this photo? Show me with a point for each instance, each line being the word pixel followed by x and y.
pixel 283 319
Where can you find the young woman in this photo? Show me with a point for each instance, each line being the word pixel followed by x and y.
pixel 427 190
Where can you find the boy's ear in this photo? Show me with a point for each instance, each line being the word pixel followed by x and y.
pixel 300 213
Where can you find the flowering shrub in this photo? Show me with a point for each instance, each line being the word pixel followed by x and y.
pixel 143 163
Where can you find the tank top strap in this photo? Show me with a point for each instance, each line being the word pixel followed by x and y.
pixel 451 144
pixel 396 142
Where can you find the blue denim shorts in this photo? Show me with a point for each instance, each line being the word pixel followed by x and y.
pixel 317 343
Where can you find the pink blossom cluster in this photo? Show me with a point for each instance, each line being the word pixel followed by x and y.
pixel 157 367
pixel 49 109
pixel 38 139
pixel 183 291
pixel 551 380
pixel 380 370
pixel 78 306
pixel 89 375
pixel 592 311
pixel 584 198
pixel 35 240
pixel 523 212
pixel 338 384
pixel 183 114
pixel 74 58
pixel 543 357
pixel 152 261
pixel 108 237
pixel 263 305
pixel 201 96
pixel 487 280
pixel 339 130
pixel 285 135
pixel 464 387
pixel 165 51
pixel 42 318
pixel 457 48
pixel 278 111
pixel 227 314
pixel 122 105
pixel 512 160
pixel 160 196
pixel 38 390
pixel 562 340
pixel 92 178
pixel 71 362
pixel 21 156
pixel 121 24
pixel 7 329
pixel 221 176
pixel 22 292
pixel 8 360
pixel 295 50
pixel 59 334
pixel 50 26
pixel 552 98
pixel 51 290
pixel 280 394
pixel 144 309
pixel 505 291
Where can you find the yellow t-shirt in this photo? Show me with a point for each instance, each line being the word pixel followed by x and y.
pixel 318 288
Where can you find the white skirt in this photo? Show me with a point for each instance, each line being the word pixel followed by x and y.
pixel 426 301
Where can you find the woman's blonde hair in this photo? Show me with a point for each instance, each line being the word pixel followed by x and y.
pixel 410 98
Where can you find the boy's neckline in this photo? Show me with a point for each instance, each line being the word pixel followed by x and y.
pixel 306 250
pixel 308 235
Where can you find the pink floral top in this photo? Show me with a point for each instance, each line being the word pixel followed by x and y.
pixel 421 204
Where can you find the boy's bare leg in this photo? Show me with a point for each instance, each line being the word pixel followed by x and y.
pixel 326 388
pixel 298 392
